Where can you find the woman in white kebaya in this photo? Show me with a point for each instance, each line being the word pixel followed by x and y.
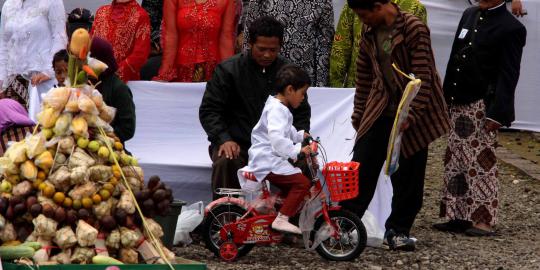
pixel 31 32
pixel 275 140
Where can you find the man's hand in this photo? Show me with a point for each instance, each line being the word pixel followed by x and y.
pixel 39 78
pixel 230 149
pixel 517 8
pixel 491 125
pixel 405 125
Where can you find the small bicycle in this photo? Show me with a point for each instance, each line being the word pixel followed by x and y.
pixel 233 226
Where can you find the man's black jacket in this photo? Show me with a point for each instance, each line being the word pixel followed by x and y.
pixel 485 61
pixel 235 96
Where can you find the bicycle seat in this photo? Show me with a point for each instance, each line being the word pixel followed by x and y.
pixel 249 176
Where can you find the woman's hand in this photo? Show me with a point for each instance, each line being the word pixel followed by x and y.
pixel 39 78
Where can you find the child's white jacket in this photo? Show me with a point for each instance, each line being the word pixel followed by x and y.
pixel 273 141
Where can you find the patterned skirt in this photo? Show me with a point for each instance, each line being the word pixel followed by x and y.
pixel 17 89
pixel 470 189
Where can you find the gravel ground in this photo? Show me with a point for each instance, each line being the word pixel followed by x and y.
pixel 517 245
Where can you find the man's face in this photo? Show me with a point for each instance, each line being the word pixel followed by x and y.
pixel 373 18
pixel 265 50
pixel 486 4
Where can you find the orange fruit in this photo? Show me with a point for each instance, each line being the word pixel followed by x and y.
pixel 59 197
pixel 48 191
pixel 118 146
pixel 87 202
pixel 77 204
pixel 105 194
pixel 109 187
pixel 37 183
pixel 41 175
pixel 113 181
pixel 117 174
pixel 116 168
pixel 68 202
pixel 96 198
pixel 42 186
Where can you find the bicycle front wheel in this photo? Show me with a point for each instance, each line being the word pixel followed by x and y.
pixel 351 237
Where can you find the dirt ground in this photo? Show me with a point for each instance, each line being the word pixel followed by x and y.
pixel 525 144
pixel 517 245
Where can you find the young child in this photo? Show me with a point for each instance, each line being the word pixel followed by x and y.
pixel 60 64
pixel 275 140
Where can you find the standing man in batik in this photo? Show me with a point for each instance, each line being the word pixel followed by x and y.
pixel 480 82
pixel 393 36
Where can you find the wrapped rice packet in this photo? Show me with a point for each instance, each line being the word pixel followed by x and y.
pixel 86 234
pixel 44 227
pixel 65 238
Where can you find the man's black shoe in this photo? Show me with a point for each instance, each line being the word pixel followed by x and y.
pixel 400 241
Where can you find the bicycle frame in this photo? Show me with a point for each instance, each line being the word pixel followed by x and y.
pixel 260 223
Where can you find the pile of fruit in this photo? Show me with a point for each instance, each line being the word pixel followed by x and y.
pixel 70 193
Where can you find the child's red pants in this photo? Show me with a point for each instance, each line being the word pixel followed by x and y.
pixel 295 187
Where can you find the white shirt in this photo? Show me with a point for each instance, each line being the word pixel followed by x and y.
pixel 273 141
pixel 31 32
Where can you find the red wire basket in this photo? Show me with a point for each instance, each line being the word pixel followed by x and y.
pixel 342 180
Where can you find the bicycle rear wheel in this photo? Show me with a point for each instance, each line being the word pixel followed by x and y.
pixel 215 220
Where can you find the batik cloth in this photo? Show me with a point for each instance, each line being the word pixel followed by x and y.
pixel 471 187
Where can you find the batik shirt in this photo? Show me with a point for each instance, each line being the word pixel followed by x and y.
pixel 309 29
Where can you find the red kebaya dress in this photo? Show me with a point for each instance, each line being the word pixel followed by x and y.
pixel 197 35
pixel 127 27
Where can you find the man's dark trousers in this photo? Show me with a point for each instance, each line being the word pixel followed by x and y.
pixel 224 170
pixel 407 182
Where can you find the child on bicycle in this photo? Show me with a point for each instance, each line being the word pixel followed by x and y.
pixel 274 141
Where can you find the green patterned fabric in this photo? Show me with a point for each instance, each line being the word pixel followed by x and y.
pixel 348 33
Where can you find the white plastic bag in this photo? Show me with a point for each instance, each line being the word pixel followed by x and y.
pixel 380 208
pixel 188 220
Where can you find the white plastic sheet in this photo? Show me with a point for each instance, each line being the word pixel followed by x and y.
pixel 190 217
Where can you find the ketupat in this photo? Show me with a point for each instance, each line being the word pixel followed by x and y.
pixel 81 158
pixel 86 234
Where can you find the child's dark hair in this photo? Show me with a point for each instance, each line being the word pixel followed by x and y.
pixel 265 26
pixel 61 55
pixel 365 4
pixel 292 75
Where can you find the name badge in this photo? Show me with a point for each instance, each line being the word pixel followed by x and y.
pixel 463 33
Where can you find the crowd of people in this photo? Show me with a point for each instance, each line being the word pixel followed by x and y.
pixel 249 50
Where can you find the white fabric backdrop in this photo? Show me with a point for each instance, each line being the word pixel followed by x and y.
pixel 170 141
pixel 443 17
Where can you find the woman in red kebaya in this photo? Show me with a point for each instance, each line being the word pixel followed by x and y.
pixel 126 25
pixel 197 35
